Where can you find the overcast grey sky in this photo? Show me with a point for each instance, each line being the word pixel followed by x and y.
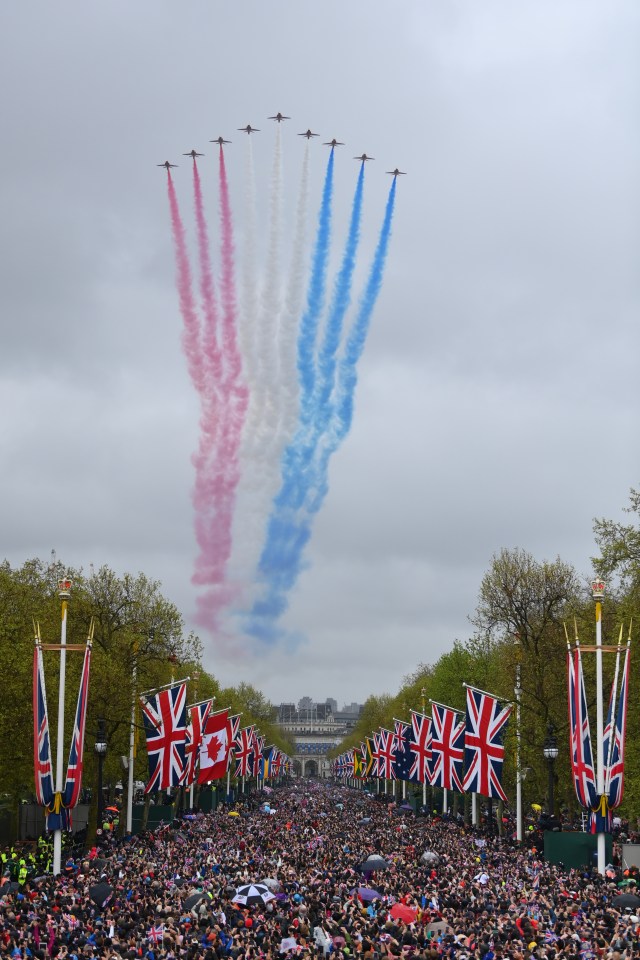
pixel 498 395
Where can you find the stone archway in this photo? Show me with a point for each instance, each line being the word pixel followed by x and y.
pixel 297 768
pixel 311 768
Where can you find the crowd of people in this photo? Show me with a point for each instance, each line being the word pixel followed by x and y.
pixel 436 890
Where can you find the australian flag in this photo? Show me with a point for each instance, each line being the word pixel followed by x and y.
pixel 403 753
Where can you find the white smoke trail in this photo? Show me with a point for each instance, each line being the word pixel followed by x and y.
pixel 249 292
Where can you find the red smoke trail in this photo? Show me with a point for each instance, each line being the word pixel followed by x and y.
pixel 191 332
pixel 224 470
pixel 210 337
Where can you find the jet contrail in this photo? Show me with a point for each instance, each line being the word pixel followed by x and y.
pixel 249 301
pixel 191 332
pixel 291 526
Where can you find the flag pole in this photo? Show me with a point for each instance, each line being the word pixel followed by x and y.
pixel 132 735
pixel 423 694
pixel 196 675
pixel 64 592
pixel 518 691
pixel 597 588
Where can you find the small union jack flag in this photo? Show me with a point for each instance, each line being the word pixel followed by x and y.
pixel 447 747
pixel 420 746
pixel 584 778
pixel 156 934
pixel 164 716
pixel 484 749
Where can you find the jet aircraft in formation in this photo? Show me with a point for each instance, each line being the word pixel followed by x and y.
pixel 308 134
pixel 397 173
pixel 220 140
pixel 334 143
pixel 166 165
pixel 249 129
pixel 364 157
pixel 279 117
pixel 193 154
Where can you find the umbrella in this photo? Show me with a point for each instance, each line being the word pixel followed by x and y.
pixel 233 813
pixel 253 894
pixel 429 856
pixel 367 893
pixel 374 862
pixel 100 893
pixel 400 911
pixel 272 883
pixel 536 807
pixel 406 806
pixel 340 806
pixel 192 900
pixel 365 820
pixel 624 900
pixel 112 810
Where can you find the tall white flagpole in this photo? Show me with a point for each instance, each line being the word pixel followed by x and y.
pixel 597 588
pixel 518 691
pixel 64 592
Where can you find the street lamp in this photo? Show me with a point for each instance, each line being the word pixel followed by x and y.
pixel 550 751
pixel 101 750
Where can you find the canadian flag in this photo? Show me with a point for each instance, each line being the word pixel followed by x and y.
pixel 215 747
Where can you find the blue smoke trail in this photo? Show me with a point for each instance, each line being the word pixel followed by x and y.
pixel 289 527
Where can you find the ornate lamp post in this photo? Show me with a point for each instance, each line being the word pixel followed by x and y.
pixel 101 751
pixel 550 751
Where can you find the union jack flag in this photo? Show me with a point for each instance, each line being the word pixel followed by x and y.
pixel 420 746
pixel 41 739
pixel 155 934
pixel 198 716
pixel 243 750
pixel 233 725
pixel 376 767
pixel 165 723
pixel 386 754
pixel 447 747
pixel 258 747
pixel 73 782
pixel 584 778
pixel 613 750
pixel 484 749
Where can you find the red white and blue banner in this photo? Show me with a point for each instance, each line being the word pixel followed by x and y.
pixel 615 736
pixel 42 764
pixel 581 754
pixel 58 806
pixel 485 724
pixel 447 747
pixel 164 716
pixel 73 783
pixel 402 750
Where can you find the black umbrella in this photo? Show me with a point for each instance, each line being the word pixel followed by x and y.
pixel 192 900
pixel 624 900
pixel 374 862
pixel 101 893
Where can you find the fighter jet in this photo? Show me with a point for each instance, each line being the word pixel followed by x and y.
pixel 397 173
pixel 308 134
pixel 166 165
pixel 193 154
pixel 249 129
pixel 279 117
pixel 364 157
pixel 220 140
pixel 334 143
